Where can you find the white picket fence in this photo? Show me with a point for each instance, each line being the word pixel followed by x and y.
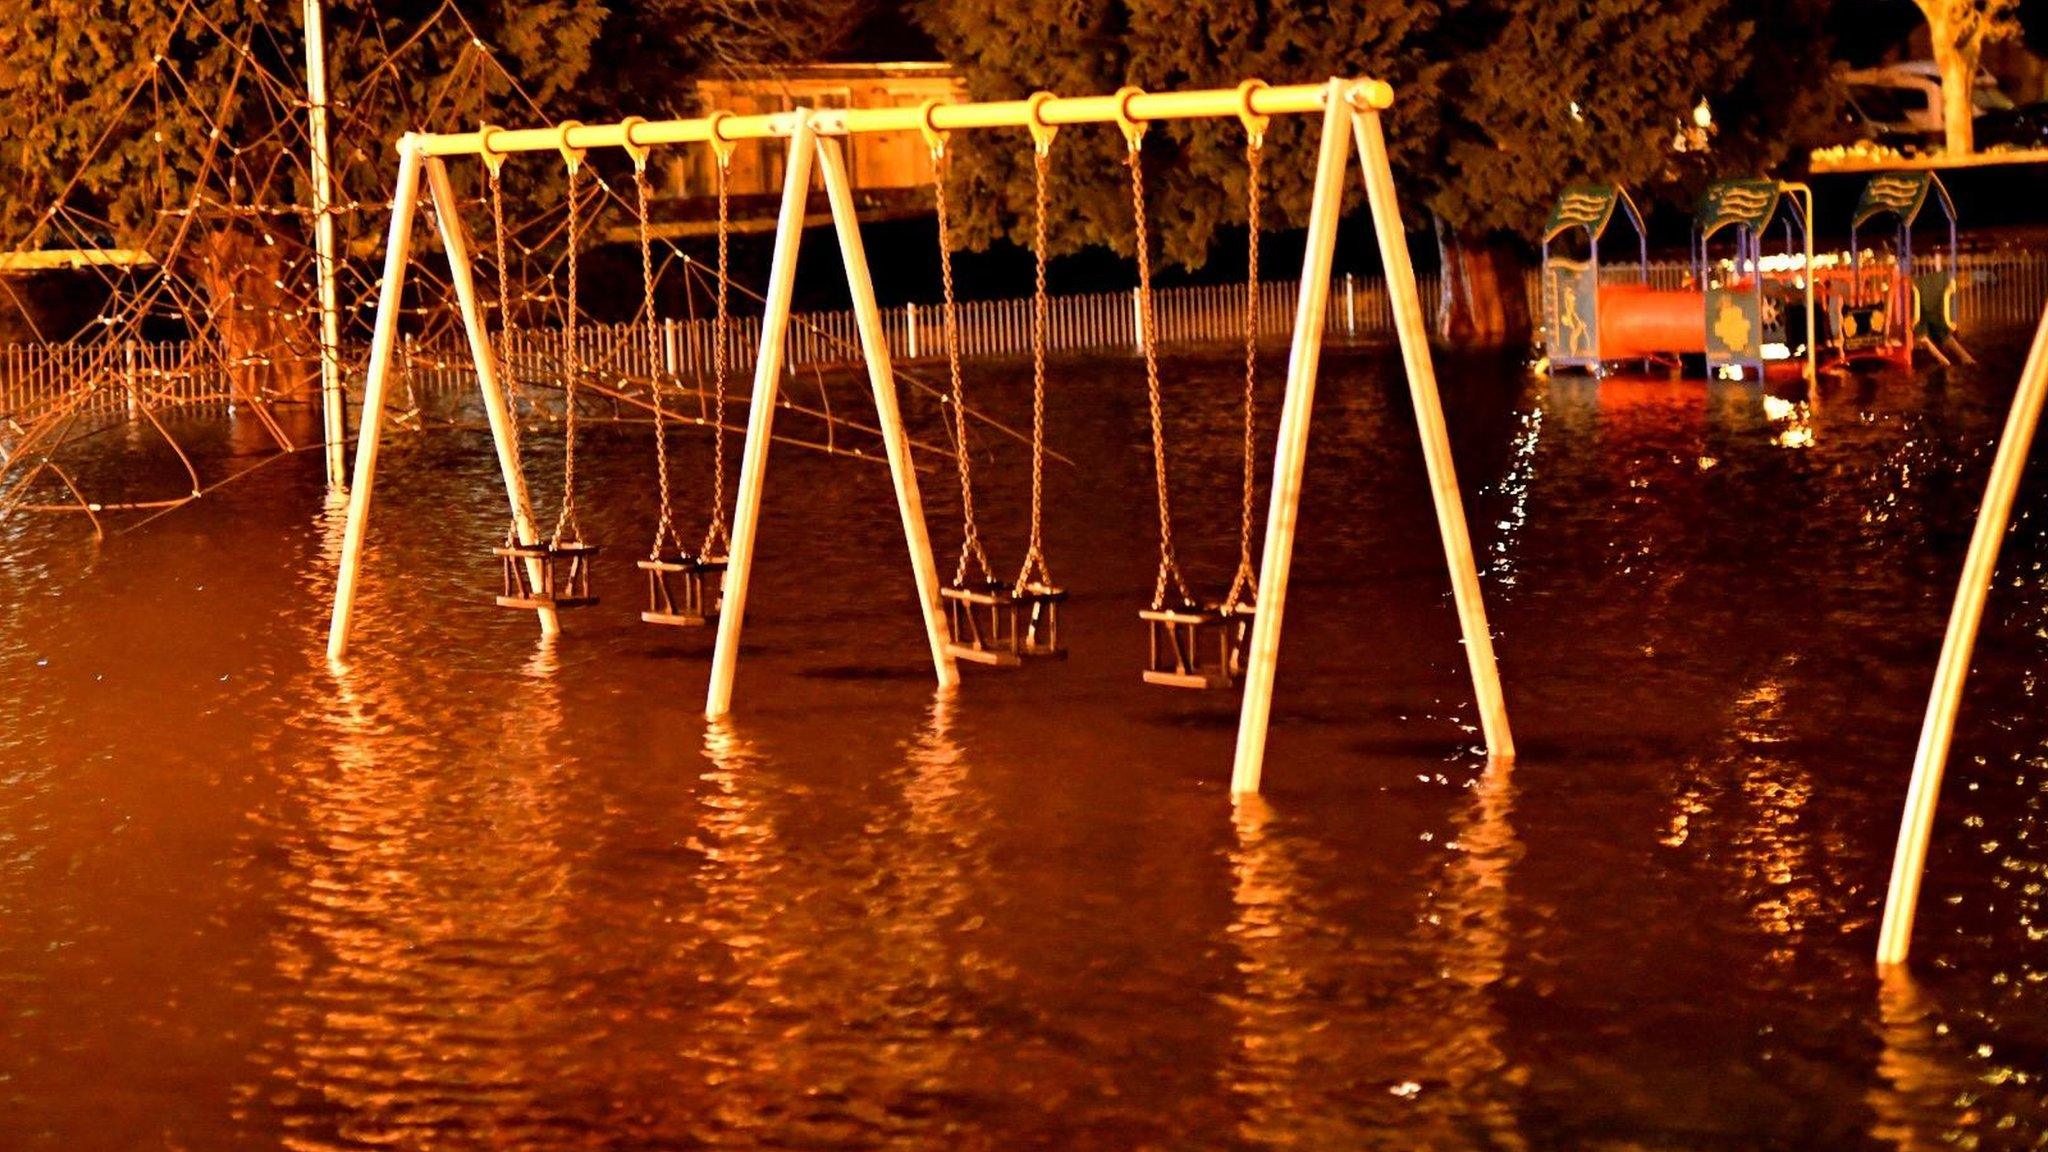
pixel 105 376
pixel 1187 318
pixel 35 379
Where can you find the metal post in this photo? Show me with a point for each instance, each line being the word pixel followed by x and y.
pixel 455 241
pixel 789 228
pixel 888 417
pixel 404 199
pixel 1291 454
pixel 1436 441
pixel 1909 860
pixel 333 404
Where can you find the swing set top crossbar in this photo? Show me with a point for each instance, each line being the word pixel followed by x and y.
pixel 1252 99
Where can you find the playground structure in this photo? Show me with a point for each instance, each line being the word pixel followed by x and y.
pixel 1886 306
pixel 1349 110
pixel 1744 314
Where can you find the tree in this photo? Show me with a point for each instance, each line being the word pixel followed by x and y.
pixel 1958 30
pixel 1498 103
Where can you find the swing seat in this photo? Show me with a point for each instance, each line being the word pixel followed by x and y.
pixel 564 575
pixel 1182 638
pixel 683 591
pixel 1037 624
pixel 982 620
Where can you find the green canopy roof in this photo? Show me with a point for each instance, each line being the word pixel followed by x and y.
pixel 1748 203
pixel 1589 206
pixel 1902 193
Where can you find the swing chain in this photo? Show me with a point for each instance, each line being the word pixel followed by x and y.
pixel 717 540
pixel 494 165
pixel 665 530
pixel 1244 586
pixel 1034 556
pixel 1134 159
pixel 971 551
pixel 566 526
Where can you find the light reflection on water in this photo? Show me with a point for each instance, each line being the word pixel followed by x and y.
pixel 473 889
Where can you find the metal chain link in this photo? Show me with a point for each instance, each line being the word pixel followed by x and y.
pixel 717 540
pixel 1169 566
pixel 1034 555
pixel 1244 586
pixel 971 552
pixel 665 531
pixel 565 524
pixel 510 375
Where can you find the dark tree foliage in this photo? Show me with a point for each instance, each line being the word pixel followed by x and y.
pixel 1498 103
pixel 1195 171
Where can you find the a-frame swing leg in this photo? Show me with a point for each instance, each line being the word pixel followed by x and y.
pixel 746 519
pixel 874 344
pixel 1290 455
pixel 805 146
pixel 1413 332
pixel 397 247
pixel 455 241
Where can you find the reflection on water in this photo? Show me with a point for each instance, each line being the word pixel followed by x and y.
pixel 474 889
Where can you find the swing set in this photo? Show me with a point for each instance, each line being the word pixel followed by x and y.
pixel 980 617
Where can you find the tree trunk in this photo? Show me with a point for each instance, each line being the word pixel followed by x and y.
pixel 1958 76
pixel 243 279
pixel 1484 301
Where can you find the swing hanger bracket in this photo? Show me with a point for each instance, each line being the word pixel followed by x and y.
pixel 1255 124
pixel 637 151
pixel 571 155
pixel 493 159
pixel 934 138
pixel 722 146
pixel 1133 128
pixel 1042 133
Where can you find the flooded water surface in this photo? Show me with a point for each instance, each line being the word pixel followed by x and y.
pixel 474 890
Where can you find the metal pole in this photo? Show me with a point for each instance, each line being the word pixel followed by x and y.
pixel 1436 441
pixel 455 240
pixel 888 417
pixel 333 404
pixel 1291 454
pixel 789 229
pixel 1909 861
pixel 404 199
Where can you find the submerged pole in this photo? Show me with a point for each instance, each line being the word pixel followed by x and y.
pixel 874 341
pixel 1291 454
pixel 455 241
pixel 774 339
pixel 397 246
pixel 1916 825
pixel 1413 332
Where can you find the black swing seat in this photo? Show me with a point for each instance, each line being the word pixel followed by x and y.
pixel 683 591
pixel 1038 621
pixel 564 575
pixel 1182 636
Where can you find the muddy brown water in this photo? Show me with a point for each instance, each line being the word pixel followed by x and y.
pixel 471 890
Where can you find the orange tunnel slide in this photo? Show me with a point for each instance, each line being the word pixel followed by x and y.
pixel 1637 320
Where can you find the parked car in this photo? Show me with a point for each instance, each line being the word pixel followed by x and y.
pixel 2025 126
pixel 1899 105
